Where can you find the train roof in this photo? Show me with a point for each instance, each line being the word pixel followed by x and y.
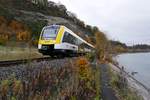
pixel 72 33
pixel 75 35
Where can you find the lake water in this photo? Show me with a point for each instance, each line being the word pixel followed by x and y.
pixel 137 62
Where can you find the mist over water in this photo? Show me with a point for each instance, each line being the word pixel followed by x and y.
pixel 137 62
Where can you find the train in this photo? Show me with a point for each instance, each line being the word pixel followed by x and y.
pixel 58 40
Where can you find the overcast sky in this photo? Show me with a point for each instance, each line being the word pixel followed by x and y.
pixel 125 20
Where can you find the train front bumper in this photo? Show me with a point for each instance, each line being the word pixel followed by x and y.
pixel 46 49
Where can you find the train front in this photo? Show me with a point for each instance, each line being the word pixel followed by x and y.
pixel 50 36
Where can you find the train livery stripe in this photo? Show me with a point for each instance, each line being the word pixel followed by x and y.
pixel 59 35
pixel 66 46
pixel 47 42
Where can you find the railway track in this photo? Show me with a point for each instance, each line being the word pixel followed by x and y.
pixel 24 61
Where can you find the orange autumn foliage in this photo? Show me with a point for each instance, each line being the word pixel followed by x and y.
pixel 83 69
pixel 4 36
pixel 2 20
pixel 3 25
pixel 24 35
pixel 13 28
pixel 16 26
pixel 82 61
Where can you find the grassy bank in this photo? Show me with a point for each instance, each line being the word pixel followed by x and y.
pixel 17 53
pixel 120 85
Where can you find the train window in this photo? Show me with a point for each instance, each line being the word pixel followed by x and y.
pixel 69 38
pixel 50 32
pixel 79 42
pixel 65 38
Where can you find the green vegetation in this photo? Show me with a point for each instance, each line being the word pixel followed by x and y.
pixel 42 3
pixel 139 48
pixel 119 83
pixel 35 28
pixel 17 53
pixel 74 80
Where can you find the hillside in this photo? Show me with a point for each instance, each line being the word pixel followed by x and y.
pixel 22 20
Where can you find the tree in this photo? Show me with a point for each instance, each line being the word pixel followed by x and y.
pixel 101 45
pixel 89 28
pixel 41 3
pixel 95 29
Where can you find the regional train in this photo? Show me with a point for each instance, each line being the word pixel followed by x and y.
pixel 56 40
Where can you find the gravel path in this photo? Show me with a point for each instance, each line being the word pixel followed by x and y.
pixel 107 91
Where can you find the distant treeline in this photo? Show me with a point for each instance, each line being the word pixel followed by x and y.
pixel 122 47
pixel 139 46
pixel 117 43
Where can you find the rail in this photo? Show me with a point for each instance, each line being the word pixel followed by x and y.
pixel 23 61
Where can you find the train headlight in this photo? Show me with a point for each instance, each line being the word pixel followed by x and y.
pixel 39 46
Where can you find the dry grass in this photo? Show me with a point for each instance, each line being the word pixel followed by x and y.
pixel 72 79
pixel 17 53
pixel 41 83
pixel 119 83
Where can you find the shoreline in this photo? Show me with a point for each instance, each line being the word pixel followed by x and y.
pixel 133 83
pixel 131 52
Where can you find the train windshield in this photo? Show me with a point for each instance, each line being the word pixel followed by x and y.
pixel 50 32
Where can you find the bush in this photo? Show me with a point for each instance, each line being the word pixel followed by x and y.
pixel 89 83
pixel 36 27
pixel 4 12
pixel 90 56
